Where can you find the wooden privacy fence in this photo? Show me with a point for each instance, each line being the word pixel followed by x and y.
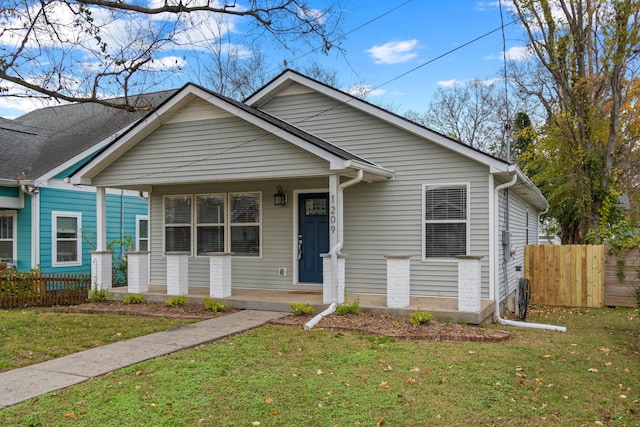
pixel 621 278
pixel 41 289
pixel 567 275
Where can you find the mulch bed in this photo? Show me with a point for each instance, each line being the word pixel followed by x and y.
pixel 364 323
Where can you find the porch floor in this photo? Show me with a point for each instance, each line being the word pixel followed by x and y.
pixel 443 309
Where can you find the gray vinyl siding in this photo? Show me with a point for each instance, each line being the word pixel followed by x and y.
pixel 386 217
pixel 216 149
pixel 247 272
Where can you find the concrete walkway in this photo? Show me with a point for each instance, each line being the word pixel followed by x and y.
pixel 25 383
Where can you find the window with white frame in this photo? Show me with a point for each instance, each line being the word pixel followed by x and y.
pixel 67 244
pixel 219 223
pixel 446 220
pixel 142 233
pixel 210 223
pixel 244 223
pixel 177 223
pixel 8 236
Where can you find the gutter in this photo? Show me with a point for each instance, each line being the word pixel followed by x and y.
pixel 500 320
pixel 335 250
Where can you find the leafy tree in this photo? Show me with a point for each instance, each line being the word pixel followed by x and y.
pixel 585 52
pixel 90 50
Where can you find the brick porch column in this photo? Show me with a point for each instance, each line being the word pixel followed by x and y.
pixel 101 273
pixel 138 272
pixel 219 274
pixel 469 281
pixel 177 273
pixel 328 282
pixel 398 280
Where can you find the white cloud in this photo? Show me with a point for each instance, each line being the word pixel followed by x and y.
pixel 394 52
pixel 483 6
pixel 450 83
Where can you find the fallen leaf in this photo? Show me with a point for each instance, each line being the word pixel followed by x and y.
pixel 70 415
pixel 411 381
pixel 274 412
pixel 384 384
pixel 416 369
pixel 319 372
pixel 268 400
pixel 623 396
pixel 379 422
pixel 255 423
pixel 388 368
pixel 592 370
pixel 546 356
pixel 442 380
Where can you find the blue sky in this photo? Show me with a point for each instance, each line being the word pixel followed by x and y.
pixel 405 35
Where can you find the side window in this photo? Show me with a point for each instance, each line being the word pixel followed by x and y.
pixel 446 220
pixel 142 233
pixel 66 241
pixel 8 225
pixel 177 224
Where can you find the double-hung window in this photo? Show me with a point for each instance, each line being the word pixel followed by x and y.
pixel 7 236
pixel 67 244
pixel 446 220
pixel 177 223
pixel 142 233
pixel 210 223
pixel 219 223
pixel 245 224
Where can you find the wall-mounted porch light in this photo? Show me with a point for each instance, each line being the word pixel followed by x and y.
pixel 280 198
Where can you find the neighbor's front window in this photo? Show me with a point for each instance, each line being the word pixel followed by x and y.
pixel 7 236
pixel 142 233
pixel 177 224
pixel 446 220
pixel 67 244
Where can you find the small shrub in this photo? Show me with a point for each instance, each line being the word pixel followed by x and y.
pixel 299 308
pixel 420 317
pixel 215 306
pixel 176 301
pixel 353 308
pixel 97 295
pixel 133 299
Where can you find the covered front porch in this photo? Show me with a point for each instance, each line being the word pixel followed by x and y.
pixel 443 309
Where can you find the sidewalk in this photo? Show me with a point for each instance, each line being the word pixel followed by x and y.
pixel 21 384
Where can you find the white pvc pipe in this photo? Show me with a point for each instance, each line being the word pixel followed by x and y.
pixel 497 287
pixel 318 317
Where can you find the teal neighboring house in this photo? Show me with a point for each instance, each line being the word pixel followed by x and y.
pixel 45 221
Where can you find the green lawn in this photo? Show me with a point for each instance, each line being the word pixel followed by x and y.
pixel 283 376
pixel 32 336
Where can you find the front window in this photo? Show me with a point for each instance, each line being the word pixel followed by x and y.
pixel 67 245
pixel 7 236
pixel 245 224
pixel 220 223
pixel 210 225
pixel 445 220
pixel 177 224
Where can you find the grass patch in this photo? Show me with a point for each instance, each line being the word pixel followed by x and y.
pixel 278 375
pixel 31 336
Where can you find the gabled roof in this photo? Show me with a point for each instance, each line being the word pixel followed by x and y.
pixel 336 156
pixel 497 166
pixel 48 138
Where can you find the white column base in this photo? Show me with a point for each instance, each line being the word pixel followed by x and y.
pixel 469 282
pixel 329 282
pixel 138 272
pixel 398 281
pixel 101 270
pixel 177 273
pixel 220 274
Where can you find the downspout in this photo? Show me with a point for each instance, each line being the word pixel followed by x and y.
pixel 33 191
pixel 496 288
pixel 334 252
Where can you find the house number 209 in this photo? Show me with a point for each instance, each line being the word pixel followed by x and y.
pixel 332 217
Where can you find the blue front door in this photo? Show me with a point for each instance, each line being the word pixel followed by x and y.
pixel 313 235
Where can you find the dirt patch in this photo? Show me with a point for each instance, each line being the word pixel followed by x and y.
pixel 365 323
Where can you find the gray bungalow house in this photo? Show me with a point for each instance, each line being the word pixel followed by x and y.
pixel 305 188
